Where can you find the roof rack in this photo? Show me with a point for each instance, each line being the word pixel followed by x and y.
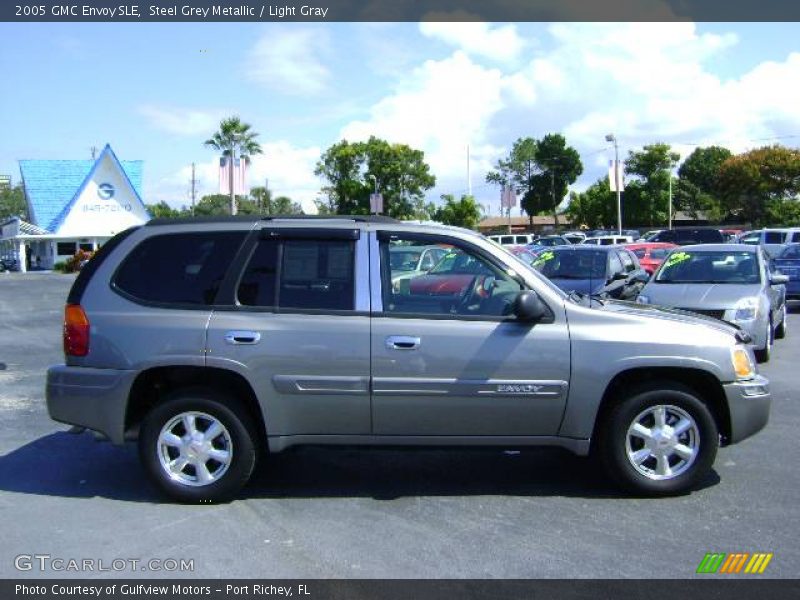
pixel 254 218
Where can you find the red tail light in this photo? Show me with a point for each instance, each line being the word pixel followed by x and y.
pixel 76 331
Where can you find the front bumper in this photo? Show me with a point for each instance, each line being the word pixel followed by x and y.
pixel 748 405
pixel 93 398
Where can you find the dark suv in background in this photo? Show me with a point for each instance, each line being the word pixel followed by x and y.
pixel 689 236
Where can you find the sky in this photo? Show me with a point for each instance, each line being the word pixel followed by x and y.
pixel 157 91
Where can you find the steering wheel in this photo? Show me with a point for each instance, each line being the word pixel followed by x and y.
pixel 476 290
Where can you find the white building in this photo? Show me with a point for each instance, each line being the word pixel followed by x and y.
pixel 73 204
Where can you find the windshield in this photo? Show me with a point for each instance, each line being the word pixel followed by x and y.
pixel 458 262
pixel 790 252
pixel 706 266
pixel 550 242
pixel 571 264
pixel 404 260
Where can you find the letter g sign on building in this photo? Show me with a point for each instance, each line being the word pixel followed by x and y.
pixel 105 191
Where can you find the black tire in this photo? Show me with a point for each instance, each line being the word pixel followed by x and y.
pixel 780 330
pixel 239 439
pixel 612 440
pixel 763 354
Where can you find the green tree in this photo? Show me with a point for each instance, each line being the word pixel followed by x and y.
pixel 596 207
pixel 12 203
pixel 283 205
pixel 559 166
pixel 219 204
pixel 697 189
pixel 353 170
pixel 761 186
pixel 465 212
pixel 517 170
pixel 540 170
pixel 233 139
pixel 646 201
pixel 162 210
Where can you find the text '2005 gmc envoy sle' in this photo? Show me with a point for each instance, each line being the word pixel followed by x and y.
pixel 215 341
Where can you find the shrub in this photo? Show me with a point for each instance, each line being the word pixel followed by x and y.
pixel 61 267
pixel 77 261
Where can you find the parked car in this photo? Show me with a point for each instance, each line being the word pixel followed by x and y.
pixel 574 237
pixel 650 254
pixel 522 253
pixel 212 341
pixel 605 271
pixel 724 281
pixel 548 241
pixel 787 262
pixel 771 240
pixel 608 240
pixel 515 239
pixel 648 235
pixel 9 263
pixel 407 262
pixel 684 236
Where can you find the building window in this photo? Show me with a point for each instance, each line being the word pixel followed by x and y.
pixel 86 247
pixel 65 248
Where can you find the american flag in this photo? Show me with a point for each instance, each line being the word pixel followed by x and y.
pixel 239 176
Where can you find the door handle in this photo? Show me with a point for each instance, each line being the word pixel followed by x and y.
pixel 242 337
pixel 402 342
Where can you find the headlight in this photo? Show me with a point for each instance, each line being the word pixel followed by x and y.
pixel 642 299
pixel 746 309
pixel 742 363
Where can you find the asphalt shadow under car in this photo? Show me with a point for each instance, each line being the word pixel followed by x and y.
pixel 71 465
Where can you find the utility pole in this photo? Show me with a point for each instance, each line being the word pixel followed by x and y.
pixel 553 197
pixel 612 138
pixel 94 152
pixel 232 159
pixel 669 217
pixel 469 177
pixel 194 189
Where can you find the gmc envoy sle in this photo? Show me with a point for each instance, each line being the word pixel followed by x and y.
pixel 215 341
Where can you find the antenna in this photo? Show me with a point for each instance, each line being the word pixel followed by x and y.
pixel 94 152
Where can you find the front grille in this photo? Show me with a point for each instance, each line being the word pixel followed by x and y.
pixel 717 314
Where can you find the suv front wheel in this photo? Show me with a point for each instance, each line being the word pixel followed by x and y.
pixel 198 446
pixel 660 440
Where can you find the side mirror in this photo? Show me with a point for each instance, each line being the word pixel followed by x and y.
pixel 528 307
pixel 778 279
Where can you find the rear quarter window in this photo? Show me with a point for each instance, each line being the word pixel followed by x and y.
pixel 178 268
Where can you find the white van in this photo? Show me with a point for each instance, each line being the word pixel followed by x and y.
pixel 513 239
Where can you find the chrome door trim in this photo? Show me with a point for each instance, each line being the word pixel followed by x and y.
pixel 501 388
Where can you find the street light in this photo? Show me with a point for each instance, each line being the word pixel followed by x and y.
pixel 612 138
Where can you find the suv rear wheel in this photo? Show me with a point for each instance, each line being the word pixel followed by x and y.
pixel 659 441
pixel 198 446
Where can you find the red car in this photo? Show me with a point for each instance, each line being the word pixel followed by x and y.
pixel 650 254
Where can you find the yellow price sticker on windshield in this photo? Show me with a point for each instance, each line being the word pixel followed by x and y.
pixel 677 258
pixel 544 257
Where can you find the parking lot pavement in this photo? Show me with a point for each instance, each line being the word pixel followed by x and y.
pixel 380 513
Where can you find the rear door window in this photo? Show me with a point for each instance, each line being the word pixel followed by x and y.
pixel 178 268
pixel 300 274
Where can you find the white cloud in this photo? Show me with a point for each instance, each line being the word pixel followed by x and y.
pixel 441 108
pixel 500 43
pixel 289 61
pixel 183 121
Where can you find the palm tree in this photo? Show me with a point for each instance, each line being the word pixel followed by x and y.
pixel 234 137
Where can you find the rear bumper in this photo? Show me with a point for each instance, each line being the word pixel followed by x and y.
pixel 748 404
pixel 93 398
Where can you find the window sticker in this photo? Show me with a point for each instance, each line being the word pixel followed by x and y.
pixel 544 257
pixel 677 258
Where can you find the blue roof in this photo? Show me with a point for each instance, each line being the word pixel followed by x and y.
pixel 51 186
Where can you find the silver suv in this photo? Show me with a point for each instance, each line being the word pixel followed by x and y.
pixel 215 341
